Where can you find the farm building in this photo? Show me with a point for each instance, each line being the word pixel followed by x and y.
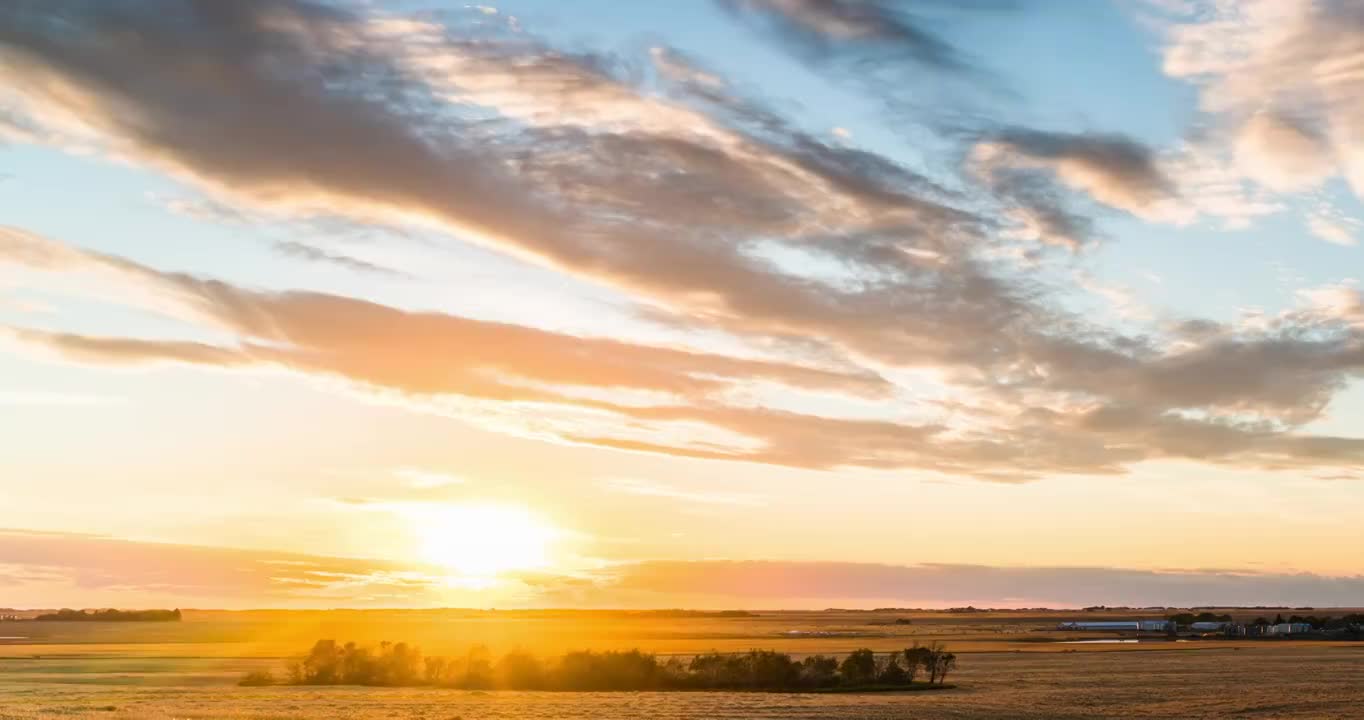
pixel 1109 625
pixel 1269 630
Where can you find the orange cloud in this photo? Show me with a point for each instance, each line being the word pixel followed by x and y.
pixel 43 569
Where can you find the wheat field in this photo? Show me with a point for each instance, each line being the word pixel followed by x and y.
pixel 1010 667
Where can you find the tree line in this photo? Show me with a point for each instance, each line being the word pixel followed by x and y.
pixel 69 615
pixel 1352 621
pixel 401 664
pixel 1349 622
pixel 1190 618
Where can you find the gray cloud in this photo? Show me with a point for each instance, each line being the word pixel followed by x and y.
pixel 814 584
pixel 1113 170
pixel 866 29
pixel 587 199
pixel 316 254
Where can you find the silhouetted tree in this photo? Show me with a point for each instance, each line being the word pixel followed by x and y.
pixel 938 662
pixel 859 668
pixel 916 656
pixel 257 678
pixel 631 670
pixel 400 664
pixel 943 663
pixel 519 671
pixel 819 671
pixel 889 671
pixel 476 671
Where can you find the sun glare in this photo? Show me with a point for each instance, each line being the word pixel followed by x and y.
pixel 483 541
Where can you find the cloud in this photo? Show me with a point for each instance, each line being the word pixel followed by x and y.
pixel 820 584
pixel 1113 170
pixel 46 569
pixel 831 265
pixel 43 569
pixel 1135 405
pixel 1276 72
pixel 579 170
pixel 1283 152
pixel 899 54
pixel 433 357
pixel 1330 230
pixel 821 29
pixel 316 254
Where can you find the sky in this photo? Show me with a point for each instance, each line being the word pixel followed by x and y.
pixel 709 303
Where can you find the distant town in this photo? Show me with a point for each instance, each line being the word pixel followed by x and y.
pixel 1212 625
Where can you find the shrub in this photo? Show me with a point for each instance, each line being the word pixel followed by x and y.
pixel 257 678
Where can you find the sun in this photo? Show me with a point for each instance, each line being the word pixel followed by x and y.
pixel 483 541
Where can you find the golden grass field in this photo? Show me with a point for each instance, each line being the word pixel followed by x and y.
pixel 1010 666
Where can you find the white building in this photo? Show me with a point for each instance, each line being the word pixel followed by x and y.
pixel 1288 629
pixel 1110 625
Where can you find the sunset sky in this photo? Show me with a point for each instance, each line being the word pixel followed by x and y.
pixel 707 303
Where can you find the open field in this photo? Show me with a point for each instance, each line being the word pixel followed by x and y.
pixel 1010 667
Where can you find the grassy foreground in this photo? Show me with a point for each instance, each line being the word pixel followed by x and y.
pixel 1269 682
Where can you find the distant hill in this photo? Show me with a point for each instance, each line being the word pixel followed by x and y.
pixel 68 615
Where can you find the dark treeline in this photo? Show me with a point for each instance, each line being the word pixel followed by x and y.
pixel 400 664
pixel 68 615
pixel 1354 621
pixel 1190 618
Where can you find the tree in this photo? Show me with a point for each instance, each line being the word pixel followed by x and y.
pixel 771 670
pixel 708 669
pixel 916 656
pixel 436 671
pixel 518 670
pixel 938 662
pixel 321 666
pixel 819 671
pixel 859 668
pixel 477 669
pixel 257 678
pixel 944 663
pixel 890 672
